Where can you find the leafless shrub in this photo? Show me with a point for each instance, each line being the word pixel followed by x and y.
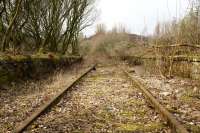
pixel 179 34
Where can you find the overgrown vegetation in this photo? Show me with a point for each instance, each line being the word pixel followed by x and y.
pixel 183 32
pixel 31 26
pixel 117 42
pixel 179 38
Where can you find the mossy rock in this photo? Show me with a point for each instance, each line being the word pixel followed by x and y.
pixel 23 67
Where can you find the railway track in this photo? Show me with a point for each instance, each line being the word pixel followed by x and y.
pixel 105 102
pixel 49 103
pixel 174 124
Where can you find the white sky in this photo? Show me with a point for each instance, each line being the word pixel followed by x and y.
pixel 138 14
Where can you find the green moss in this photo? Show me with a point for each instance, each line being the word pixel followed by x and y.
pixel 5 58
pixel 186 98
pixel 1 58
pixel 128 114
pixel 106 116
pixel 20 58
pixel 140 113
pixel 193 128
pixel 134 127
pixel 128 127
pixel 153 127
pixel 39 56
pixel 39 63
pixel 99 125
pixel 99 93
pixel 54 57
pixel 96 77
pixel 135 102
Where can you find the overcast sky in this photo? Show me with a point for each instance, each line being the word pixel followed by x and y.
pixel 137 15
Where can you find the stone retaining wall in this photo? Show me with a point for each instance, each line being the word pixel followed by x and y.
pixel 27 67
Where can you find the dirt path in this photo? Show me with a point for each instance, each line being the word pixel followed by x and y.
pixel 104 101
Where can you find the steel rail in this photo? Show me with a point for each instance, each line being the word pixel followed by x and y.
pixel 23 125
pixel 174 124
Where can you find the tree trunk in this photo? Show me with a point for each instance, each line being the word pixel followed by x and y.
pixel 4 42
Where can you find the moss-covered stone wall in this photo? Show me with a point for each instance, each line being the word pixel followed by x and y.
pixel 13 68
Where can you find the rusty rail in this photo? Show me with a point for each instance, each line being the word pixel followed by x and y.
pixel 174 124
pixel 22 126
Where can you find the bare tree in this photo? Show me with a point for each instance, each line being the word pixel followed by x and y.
pixel 100 28
pixel 47 25
pixel 77 21
pixel 11 23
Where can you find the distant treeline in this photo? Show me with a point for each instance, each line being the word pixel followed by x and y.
pixel 43 25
